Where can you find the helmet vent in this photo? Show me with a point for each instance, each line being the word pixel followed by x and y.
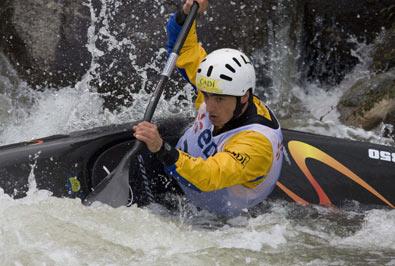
pixel 210 69
pixel 230 68
pixel 237 61
pixel 245 61
pixel 225 77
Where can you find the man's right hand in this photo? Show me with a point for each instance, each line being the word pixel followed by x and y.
pixel 203 5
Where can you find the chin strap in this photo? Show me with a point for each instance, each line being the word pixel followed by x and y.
pixel 239 106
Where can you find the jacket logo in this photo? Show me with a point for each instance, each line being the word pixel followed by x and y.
pixel 242 158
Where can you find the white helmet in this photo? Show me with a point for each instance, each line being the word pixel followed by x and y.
pixel 226 71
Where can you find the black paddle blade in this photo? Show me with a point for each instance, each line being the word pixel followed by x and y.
pixel 112 190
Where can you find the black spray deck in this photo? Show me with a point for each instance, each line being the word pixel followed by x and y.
pixel 317 169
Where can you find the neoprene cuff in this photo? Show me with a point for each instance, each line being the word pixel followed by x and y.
pixel 167 154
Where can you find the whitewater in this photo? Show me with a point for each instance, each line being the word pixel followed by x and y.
pixel 40 229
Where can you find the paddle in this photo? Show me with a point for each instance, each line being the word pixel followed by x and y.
pixel 114 188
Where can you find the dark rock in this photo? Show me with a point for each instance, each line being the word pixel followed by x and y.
pixel 44 40
pixel 12 93
pixel 389 130
pixel 49 44
pixel 132 37
pixel 333 29
pixel 130 41
pixel 369 101
pixel 390 118
pixel 389 127
pixel 384 53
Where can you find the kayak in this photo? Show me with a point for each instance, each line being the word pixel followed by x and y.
pixel 316 170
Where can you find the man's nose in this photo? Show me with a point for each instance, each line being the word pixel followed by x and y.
pixel 210 105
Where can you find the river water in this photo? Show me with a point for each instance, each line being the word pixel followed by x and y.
pixel 43 230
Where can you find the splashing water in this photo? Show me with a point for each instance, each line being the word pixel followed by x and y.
pixel 43 230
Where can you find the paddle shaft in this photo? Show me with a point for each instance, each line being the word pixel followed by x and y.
pixel 168 69
pixel 114 188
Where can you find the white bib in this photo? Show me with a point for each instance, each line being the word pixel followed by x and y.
pixel 198 141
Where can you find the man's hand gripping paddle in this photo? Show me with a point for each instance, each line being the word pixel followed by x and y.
pixel 114 188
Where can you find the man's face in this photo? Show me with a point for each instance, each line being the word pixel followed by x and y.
pixel 220 108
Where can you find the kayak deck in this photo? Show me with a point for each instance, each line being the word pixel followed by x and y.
pixel 317 169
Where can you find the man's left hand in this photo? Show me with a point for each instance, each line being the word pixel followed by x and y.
pixel 149 134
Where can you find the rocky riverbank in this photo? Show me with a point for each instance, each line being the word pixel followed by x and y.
pixel 54 43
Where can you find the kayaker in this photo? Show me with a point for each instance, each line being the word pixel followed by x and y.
pixel 230 158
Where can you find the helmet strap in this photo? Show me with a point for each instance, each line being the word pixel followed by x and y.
pixel 239 106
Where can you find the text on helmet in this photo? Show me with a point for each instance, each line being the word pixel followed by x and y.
pixel 208 85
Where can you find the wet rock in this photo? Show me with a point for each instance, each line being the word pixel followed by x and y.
pixel 369 101
pixel 384 53
pixel 390 118
pixel 389 128
pixel 131 38
pixel 48 41
pixel 333 30
pixel 120 44
pixel 45 40
pixel 244 25
pixel 12 93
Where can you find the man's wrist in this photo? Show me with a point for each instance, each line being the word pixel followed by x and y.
pixel 167 154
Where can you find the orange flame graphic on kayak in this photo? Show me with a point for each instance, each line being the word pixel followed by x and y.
pixel 301 151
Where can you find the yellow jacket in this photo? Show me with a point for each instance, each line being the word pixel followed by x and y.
pixel 222 169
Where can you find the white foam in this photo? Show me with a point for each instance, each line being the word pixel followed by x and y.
pixel 378 232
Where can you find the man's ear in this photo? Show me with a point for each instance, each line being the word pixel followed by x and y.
pixel 245 97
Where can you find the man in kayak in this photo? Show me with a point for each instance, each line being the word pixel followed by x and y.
pixel 230 158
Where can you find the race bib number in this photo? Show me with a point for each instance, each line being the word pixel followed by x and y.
pixel 205 142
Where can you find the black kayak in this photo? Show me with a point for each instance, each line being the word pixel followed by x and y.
pixel 317 169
